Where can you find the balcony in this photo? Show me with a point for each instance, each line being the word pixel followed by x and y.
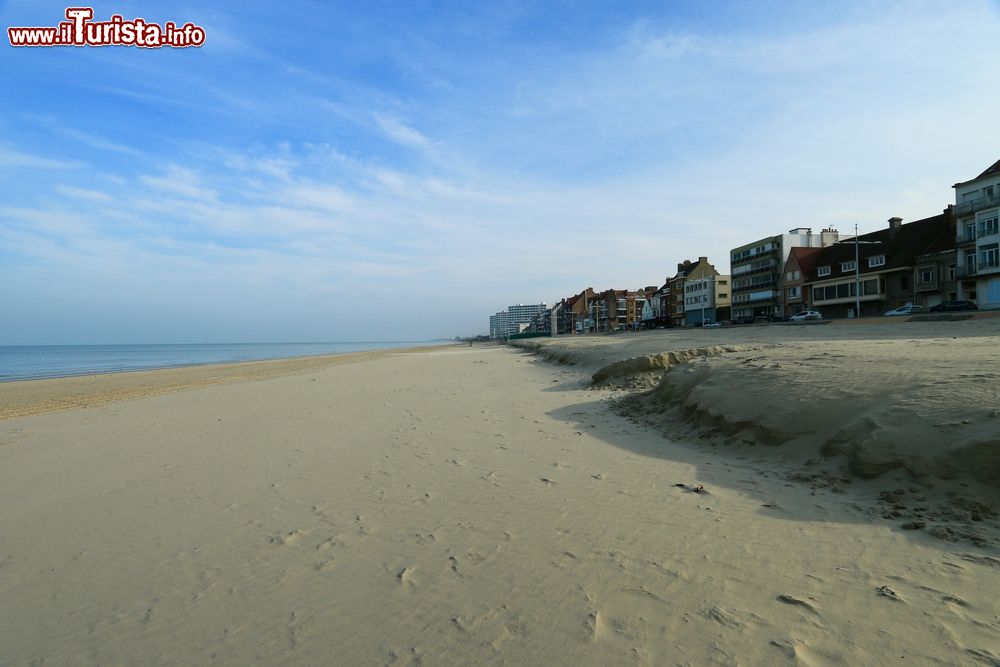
pixel 975 205
pixel 930 286
pixel 965 272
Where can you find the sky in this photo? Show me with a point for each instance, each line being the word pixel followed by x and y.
pixel 344 171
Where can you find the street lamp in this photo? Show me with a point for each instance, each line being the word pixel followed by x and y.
pixel 857 272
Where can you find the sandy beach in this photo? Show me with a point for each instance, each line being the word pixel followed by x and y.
pixel 743 500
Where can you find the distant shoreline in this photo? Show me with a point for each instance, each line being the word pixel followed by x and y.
pixel 113 363
pixel 25 397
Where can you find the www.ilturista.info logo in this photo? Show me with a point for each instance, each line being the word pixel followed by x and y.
pixel 81 30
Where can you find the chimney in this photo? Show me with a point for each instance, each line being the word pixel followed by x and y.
pixel 828 237
pixel 894 224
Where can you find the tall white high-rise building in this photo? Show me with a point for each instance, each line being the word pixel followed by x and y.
pixel 514 318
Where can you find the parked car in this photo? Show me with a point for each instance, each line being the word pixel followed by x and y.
pixel 948 306
pixel 908 309
pixel 805 315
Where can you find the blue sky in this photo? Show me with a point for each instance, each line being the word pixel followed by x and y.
pixel 383 171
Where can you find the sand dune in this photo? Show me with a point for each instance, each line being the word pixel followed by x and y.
pixel 464 506
pixel 834 404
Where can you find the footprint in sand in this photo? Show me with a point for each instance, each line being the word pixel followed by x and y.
pixel 405 576
pixel 289 539
pixel 599 626
pixel 788 599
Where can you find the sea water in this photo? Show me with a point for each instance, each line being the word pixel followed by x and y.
pixel 28 362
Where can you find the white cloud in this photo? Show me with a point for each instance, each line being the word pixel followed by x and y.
pixel 12 158
pixel 83 193
pixel 402 134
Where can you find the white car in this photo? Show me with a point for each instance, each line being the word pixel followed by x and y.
pixel 805 315
pixel 908 309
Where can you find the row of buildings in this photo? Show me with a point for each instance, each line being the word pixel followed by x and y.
pixel 954 255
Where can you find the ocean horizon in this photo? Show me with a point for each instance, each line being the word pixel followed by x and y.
pixel 38 362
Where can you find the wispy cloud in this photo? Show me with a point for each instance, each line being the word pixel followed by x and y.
pixel 12 158
pixel 72 133
pixel 83 193
pixel 400 133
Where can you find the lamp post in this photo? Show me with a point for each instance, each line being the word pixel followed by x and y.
pixel 857 271
pixel 857 277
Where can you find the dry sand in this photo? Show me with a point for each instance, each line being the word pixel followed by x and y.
pixel 455 507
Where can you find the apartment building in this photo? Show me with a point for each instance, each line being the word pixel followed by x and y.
pixel 675 294
pixel 706 294
pixel 977 238
pixel 756 270
pixel 615 310
pixel 515 319
pixel 499 325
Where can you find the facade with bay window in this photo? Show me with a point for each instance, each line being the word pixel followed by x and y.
pixel 899 265
pixel 977 261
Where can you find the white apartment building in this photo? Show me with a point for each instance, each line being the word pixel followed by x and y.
pixel 515 319
pixel 977 261
pixel 499 325
pixel 705 297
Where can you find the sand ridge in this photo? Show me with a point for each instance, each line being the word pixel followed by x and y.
pixel 831 404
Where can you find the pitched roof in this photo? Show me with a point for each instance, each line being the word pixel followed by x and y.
pixel 992 170
pixel 804 257
pixel 900 247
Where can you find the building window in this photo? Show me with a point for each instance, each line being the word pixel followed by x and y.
pixel 847 266
pixel 925 275
pixel 989 256
pixel 970 232
pixel 723 295
pixel 793 292
pixel 877 260
pixel 970 262
pixel 951 273
pixel 988 226
pixel 817 293
pixel 823 271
